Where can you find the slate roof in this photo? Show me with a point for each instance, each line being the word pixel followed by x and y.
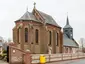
pixel 69 42
pixel 67 24
pixel 28 16
pixel 48 19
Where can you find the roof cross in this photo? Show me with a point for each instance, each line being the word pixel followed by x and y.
pixel 27 8
pixel 34 5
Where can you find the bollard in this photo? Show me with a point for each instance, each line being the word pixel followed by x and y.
pixel 42 59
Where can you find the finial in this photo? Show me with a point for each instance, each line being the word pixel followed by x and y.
pixel 27 8
pixel 67 13
pixel 34 5
pixel 67 19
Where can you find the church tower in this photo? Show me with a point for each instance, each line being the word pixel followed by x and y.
pixel 68 30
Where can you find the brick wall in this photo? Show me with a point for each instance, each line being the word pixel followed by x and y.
pixel 43 41
pixel 17 56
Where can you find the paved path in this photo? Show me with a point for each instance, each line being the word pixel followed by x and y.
pixel 2 62
pixel 78 61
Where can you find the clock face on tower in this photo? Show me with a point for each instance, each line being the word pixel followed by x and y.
pixel 71 34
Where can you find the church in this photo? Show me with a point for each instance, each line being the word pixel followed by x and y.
pixel 38 32
pixel 69 43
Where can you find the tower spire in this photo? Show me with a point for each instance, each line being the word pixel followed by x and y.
pixel 67 20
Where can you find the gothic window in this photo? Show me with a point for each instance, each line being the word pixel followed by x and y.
pixel 36 35
pixel 18 35
pixel 26 34
pixel 50 37
pixel 56 38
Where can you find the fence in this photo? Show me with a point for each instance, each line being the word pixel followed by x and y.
pixel 57 57
pixel 17 56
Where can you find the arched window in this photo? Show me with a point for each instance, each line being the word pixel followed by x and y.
pixel 36 36
pixel 26 34
pixel 56 38
pixel 50 37
pixel 18 35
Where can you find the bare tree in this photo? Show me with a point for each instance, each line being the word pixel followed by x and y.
pixel 82 41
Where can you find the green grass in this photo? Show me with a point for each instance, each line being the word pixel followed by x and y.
pixel 4 54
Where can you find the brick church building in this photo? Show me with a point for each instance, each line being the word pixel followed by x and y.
pixel 37 32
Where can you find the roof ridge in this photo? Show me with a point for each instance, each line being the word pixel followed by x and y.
pixel 44 13
pixel 47 18
pixel 53 22
pixel 27 16
pixel 26 13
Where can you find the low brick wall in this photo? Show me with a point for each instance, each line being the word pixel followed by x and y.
pixel 17 56
pixel 57 57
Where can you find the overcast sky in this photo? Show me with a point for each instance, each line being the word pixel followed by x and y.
pixel 11 10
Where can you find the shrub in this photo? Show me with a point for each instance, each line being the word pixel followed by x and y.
pixel 4 51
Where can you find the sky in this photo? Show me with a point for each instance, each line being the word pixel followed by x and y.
pixel 12 10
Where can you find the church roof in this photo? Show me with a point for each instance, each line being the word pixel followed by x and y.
pixel 69 42
pixel 30 16
pixel 67 24
pixel 48 19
